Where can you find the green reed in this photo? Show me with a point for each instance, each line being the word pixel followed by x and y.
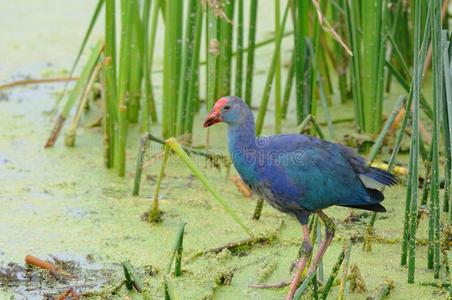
pixel 250 52
pixel 437 70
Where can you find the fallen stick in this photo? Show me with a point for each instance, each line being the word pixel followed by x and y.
pixel 70 292
pixel 245 242
pixel 37 262
pixel 36 81
pixel 277 285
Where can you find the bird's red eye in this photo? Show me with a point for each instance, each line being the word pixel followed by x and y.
pixel 227 107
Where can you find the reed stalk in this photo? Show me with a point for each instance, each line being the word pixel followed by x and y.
pixel 177 252
pixel 172 65
pixel 149 48
pixel 300 18
pixel 288 87
pixel 239 52
pixel 395 23
pixel 69 139
pixel 110 84
pixel 192 94
pixel 136 69
pixel 127 8
pixel 93 20
pixel 250 52
pixel 373 41
pixel 304 286
pixel 437 70
pixel 352 18
pixel 225 35
pixel 345 263
pixel 277 79
pixel 376 147
pixel 270 75
pixel 258 209
pixel 144 143
pixel 447 124
pixel 212 55
pixel 186 58
pixel 132 279
pixel 341 57
pixel 333 274
pixel 365 23
pixel 147 105
pixel 154 215
pixel 412 190
pixel 174 145
pixel 415 91
pixel 75 93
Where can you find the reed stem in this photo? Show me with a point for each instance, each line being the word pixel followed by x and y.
pixel 154 215
pixel 270 75
pixel 250 52
pixel 239 51
pixel 174 145
pixel 127 7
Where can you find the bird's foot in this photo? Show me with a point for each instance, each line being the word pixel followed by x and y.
pixel 300 267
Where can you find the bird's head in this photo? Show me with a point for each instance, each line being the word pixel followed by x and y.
pixel 231 110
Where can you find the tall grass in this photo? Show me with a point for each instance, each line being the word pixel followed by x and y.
pixel 365 25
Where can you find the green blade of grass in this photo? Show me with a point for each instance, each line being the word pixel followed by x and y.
pixel 174 145
pixel 177 251
pixel 75 93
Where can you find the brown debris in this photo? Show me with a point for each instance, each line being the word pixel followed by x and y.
pixel 357 283
pixel 241 186
pixel 37 262
pixel 70 293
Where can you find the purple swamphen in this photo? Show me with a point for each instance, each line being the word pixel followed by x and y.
pixel 299 174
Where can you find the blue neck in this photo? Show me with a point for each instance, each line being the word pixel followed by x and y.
pixel 242 148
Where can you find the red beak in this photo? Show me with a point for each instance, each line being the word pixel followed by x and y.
pixel 213 118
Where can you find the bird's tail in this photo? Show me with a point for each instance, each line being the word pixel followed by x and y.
pixel 376 197
pixel 381 176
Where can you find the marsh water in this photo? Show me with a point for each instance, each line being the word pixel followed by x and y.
pixel 63 203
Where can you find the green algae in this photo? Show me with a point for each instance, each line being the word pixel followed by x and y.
pixel 64 201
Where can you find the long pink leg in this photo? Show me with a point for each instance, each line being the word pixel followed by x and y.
pixel 329 235
pixel 302 262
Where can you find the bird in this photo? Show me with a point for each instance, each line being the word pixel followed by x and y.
pixel 299 175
